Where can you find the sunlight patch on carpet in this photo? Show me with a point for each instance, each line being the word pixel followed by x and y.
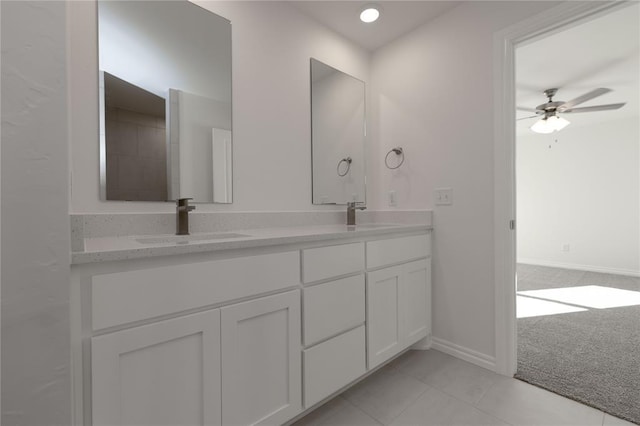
pixel 528 307
pixel 590 296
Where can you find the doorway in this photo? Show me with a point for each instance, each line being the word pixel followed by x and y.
pixel 561 262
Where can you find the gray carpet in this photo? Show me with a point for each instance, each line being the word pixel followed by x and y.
pixel 591 356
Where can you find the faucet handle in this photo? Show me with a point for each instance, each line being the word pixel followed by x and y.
pixel 353 205
pixel 183 204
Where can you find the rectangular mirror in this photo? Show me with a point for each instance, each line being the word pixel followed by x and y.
pixel 165 102
pixel 337 136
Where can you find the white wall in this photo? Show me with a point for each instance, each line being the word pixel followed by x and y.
pixel 584 191
pixel 35 223
pixel 272 44
pixel 433 95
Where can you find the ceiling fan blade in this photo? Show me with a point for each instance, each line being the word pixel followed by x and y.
pixel 520 108
pixel 595 108
pixel 525 118
pixel 580 99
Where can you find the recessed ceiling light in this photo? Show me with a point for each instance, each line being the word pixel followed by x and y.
pixel 370 13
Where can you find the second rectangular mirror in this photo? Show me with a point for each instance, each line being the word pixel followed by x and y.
pixel 337 136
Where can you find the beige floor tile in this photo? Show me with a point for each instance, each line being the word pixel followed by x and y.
pixel 438 409
pixel 419 364
pixel 519 403
pixel 461 379
pixel 385 394
pixel 610 420
pixel 337 412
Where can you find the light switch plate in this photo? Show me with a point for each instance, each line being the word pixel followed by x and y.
pixel 444 196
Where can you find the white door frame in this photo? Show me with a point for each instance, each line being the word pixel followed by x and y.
pixel 553 20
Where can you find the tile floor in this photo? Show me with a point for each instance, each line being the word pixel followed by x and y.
pixel 432 388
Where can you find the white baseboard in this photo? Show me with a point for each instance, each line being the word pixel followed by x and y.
pixel 589 268
pixel 465 354
pixel 422 344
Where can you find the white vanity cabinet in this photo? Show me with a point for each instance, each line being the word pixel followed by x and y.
pixel 250 337
pixel 398 297
pixel 244 357
pixel 153 362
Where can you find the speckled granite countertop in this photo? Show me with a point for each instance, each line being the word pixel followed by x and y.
pixel 105 249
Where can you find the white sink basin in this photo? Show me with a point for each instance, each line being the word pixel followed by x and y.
pixel 184 239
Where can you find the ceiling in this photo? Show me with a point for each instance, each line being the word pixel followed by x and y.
pixel 396 18
pixel 603 52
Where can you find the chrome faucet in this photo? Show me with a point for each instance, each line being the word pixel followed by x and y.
pixel 351 213
pixel 182 215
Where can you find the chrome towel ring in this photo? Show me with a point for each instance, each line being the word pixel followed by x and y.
pixel 347 160
pixel 398 151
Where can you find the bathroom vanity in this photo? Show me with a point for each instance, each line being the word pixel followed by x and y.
pixel 252 327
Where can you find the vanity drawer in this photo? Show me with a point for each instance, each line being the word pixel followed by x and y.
pixel 326 262
pixel 125 297
pixel 333 307
pixel 333 364
pixel 396 250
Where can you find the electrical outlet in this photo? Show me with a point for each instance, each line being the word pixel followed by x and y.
pixel 444 196
pixel 393 201
pixel 565 247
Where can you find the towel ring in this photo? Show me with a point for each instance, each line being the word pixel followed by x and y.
pixel 347 160
pixel 398 151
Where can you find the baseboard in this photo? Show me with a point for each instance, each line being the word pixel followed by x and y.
pixel 423 344
pixel 589 268
pixel 465 354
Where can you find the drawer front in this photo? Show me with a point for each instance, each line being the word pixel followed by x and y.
pixel 332 308
pixel 124 297
pixel 326 262
pixel 333 364
pixel 395 250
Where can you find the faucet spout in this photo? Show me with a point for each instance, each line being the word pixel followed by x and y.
pixel 351 212
pixel 182 215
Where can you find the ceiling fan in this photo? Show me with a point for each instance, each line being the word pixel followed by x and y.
pixel 550 121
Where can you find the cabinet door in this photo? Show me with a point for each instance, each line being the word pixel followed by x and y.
pixel 261 360
pixel 167 373
pixel 415 301
pixel 384 337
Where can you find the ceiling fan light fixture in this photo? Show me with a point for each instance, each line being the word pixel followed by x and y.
pixel 558 123
pixel 541 126
pixel 370 13
pixel 550 124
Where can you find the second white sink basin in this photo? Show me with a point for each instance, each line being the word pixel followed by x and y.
pixel 184 239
